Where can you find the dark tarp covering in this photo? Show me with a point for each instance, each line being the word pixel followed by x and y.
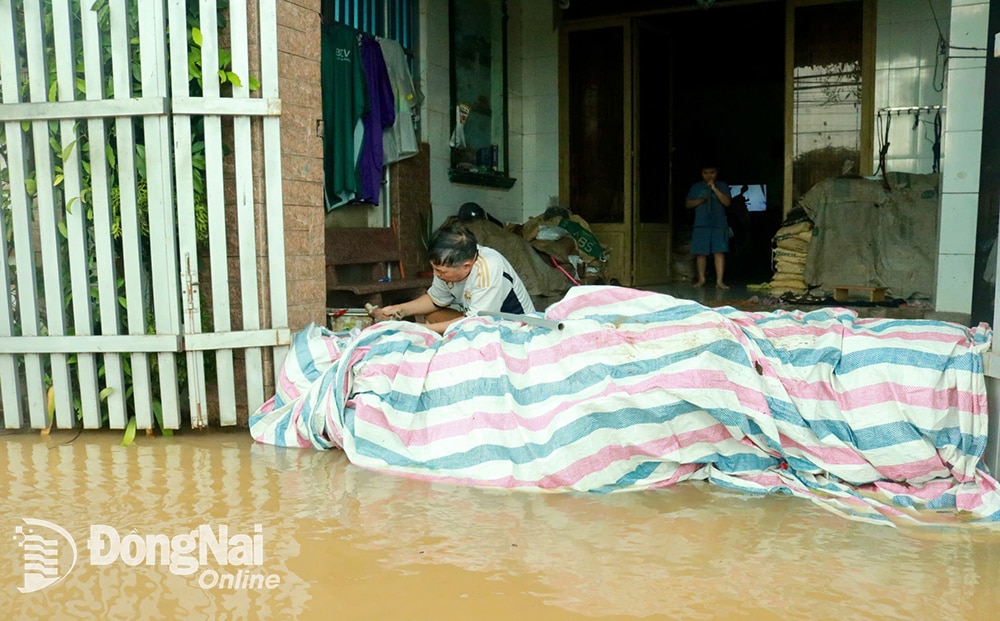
pixel 867 236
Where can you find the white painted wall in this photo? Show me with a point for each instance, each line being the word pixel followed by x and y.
pixel 532 75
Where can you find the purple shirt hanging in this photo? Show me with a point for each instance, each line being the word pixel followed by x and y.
pixel 381 114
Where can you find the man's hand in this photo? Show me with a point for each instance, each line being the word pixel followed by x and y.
pixel 393 311
pixel 386 313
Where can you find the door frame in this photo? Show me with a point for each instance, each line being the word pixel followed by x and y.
pixel 616 237
pixel 652 240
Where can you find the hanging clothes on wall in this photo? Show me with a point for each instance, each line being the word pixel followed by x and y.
pixel 344 102
pixel 400 141
pixel 381 114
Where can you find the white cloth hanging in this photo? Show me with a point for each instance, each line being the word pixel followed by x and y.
pixel 400 140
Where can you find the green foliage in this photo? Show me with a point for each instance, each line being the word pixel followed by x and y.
pixel 81 145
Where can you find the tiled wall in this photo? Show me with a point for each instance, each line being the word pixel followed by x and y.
pixel 539 103
pixel 962 155
pixel 909 72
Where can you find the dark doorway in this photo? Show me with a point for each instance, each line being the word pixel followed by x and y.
pixel 728 106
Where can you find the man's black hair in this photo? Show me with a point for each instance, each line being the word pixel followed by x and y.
pixel 451 245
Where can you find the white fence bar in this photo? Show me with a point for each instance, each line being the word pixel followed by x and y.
pixel 105 343
pixel 24 252
pixel 148 343
pixel 135 282
pixel 273 337
pixel 140 106
pixel 272 178
pixel 226 106
pixel 10 382
pixel 107 279
pixel 46 200
pixel 218 255
pixel 162 225
pixel 57 111
pixel 75 213
pixel 187 227
pixel 245 208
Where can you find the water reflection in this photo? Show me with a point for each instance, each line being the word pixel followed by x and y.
pixel 354 544
pixel 157 486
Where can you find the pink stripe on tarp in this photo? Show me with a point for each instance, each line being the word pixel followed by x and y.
pixel 596 297
pixel 672 383
pixel 926 492
pixel 886 392
pixel 302 440
pixel 332 427
pixel 968 497
pixel 832 456
pixel 855 333
pixel 332 348
pixel 288 388
pixel 522 361
pixel 267 407
pixel 680 473
pixel 605 456
pixel 913 469
pixel 828 455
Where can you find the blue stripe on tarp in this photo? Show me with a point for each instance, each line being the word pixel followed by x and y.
pixel 505 386
pixel 576 431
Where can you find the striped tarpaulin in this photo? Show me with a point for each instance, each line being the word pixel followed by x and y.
pixel 878 419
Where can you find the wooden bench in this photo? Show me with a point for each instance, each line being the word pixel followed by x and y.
pixel 875 294
pixel 363 265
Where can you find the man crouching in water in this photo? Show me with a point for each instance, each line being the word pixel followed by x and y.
pixel 468 278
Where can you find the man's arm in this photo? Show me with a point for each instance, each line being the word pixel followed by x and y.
pixel 722 195
pixel 696 201
pixel 691 203
pixel 420 306
pixel 441 326
pixel 424 305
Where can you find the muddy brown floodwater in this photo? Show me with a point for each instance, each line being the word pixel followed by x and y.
pixel 214 526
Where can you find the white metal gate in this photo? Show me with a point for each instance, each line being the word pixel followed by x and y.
pixel 119 197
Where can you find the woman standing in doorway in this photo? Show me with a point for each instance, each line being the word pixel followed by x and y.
pixel 710 235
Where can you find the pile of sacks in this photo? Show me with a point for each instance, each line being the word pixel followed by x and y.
pixel 790 249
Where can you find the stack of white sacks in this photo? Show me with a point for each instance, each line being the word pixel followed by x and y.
pixel 790 248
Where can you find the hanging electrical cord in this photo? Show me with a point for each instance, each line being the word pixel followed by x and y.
pixel 936 148
pixel 941 56
pixel 883 145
